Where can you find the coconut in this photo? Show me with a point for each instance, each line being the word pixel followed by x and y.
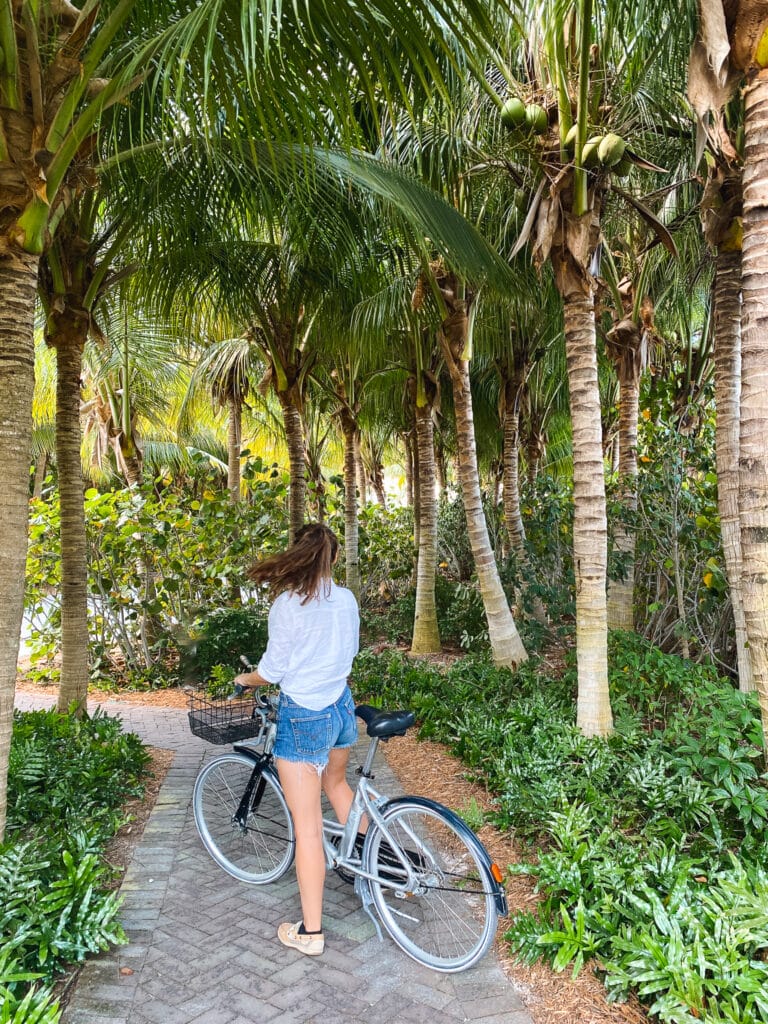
pixel 521 199
pixel 536 118
pixel 513 113
pixel 611 150
pixel 589 157
pixel 570 139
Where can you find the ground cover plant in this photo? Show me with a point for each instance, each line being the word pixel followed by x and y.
pixel 68 781
pixel 648 849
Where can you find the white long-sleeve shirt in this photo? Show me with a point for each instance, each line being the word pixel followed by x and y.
pixel 311 646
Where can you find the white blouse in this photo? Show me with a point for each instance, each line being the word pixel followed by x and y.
pixel 311 646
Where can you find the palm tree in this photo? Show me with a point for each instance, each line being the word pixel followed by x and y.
pixel 730 52
pixel 721 211
pixel 455 336
pixel 56 81
pixel 54 87
pixel 586 66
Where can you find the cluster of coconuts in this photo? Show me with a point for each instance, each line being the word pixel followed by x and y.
pixel 519 116
pixel 609 151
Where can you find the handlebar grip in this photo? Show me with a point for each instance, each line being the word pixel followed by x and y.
pixel 237 691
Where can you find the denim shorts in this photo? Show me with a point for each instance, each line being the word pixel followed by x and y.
pixel 308 736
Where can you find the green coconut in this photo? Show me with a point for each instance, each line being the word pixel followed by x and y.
pixel 521 199
pixel 570 139
pixel 536 118
pixel 611 150
pixel 513 113
pixel 589 157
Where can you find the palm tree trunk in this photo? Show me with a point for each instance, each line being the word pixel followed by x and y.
pixel 362 481
pixel 621 592
pixel 351 544
pixel 426 634
pixel 513 519
pixel 753 444
pixel 442 482
pixel 18 284
pixel 534 449
pixel 69 341
pixel 506 645
pixel 727 288
pixel 294 436
pixel 416 485
pixel 408 466
pixel 378 483
pixel 234 435
pixel 41 466
pixel 590 531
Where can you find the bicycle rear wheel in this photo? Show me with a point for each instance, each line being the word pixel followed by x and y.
pixel 449 919
pixel 250 838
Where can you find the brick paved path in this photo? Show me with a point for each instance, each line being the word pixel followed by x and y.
pixel 203 948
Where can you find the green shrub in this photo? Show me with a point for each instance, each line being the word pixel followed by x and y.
pixel 158 562
pixel 648 849
pixel 224 636
pixel 67 783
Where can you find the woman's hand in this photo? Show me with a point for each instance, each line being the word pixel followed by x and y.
pixel 250 680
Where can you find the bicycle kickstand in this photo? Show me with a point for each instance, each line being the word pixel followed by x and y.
pixel 363 890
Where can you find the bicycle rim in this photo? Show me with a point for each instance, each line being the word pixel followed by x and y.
pixel 449 919
pixel 260 849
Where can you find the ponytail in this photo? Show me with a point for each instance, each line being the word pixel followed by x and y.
pixel 304 569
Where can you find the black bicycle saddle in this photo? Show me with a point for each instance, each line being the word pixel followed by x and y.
pixel 383 724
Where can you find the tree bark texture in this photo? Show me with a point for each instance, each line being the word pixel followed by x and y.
pixel 590 533
pixel 294 436
pixel 234 436
pixel 753 444
pixel 351 544
pixel 408 467
pixel 506 646
pixel 41 467
pixel 416 485
pixel 362 479
pixel 18 283
pixel 625 344
pixel 69 341
pixel 377 480
pixel 513 519
pixel 727 296
pixel 426 634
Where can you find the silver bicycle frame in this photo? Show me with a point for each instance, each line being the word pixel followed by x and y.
pixel 367 802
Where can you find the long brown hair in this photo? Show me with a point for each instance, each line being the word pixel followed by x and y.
pixel 305 568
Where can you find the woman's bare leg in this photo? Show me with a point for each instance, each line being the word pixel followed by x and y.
pixel 336 787
pixel 301 786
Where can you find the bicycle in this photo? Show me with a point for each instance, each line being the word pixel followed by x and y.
pixel 427 875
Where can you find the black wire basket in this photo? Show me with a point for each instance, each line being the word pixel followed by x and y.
pixel 224 721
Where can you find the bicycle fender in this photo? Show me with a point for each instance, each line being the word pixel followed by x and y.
pixel 264 761
pixel 499 896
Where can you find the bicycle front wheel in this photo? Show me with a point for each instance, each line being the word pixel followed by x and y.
pixel 448 921
pixel 243 819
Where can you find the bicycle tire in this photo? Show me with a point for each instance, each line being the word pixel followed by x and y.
pixel 261 849
pixel 449 921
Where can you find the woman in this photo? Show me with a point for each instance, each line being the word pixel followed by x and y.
pixel 313 638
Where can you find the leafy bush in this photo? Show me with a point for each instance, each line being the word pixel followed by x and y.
pixel 158 562
pixel 67 782
pixel 224 636
pixel 649 849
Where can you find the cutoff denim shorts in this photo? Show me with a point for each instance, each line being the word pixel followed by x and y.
pixel 309 736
